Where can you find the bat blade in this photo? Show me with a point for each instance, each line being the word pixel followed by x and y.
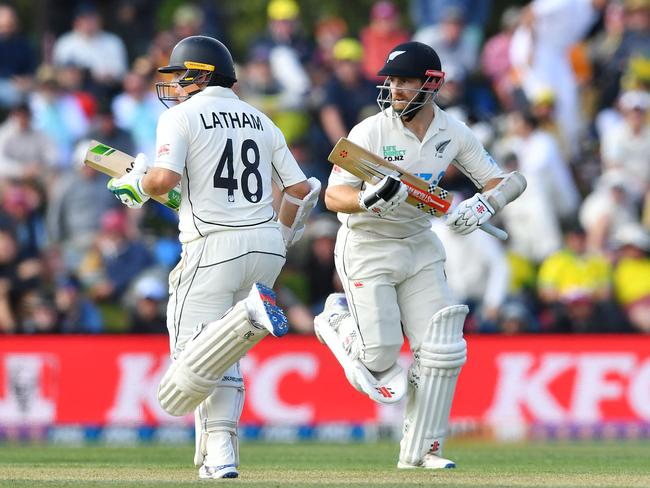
pixel 371 168
pixel 115 163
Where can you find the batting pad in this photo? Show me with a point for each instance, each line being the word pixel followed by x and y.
pixel 433 381
pixel 215 421
pixel 217 346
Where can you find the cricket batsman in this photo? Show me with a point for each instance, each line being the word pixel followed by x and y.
pixel 391 263
pixel 225 154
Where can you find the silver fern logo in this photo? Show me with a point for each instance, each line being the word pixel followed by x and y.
pixel 440 147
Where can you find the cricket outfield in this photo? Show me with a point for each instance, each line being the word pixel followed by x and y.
pixel 480 464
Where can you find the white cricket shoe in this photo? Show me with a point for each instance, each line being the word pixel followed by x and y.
pixel 218 472
pixel 263 312
pixel 220 459
pixel 335 305
pixel 429 461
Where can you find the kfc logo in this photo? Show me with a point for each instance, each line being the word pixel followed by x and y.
pixel 136 398
pixel 527 386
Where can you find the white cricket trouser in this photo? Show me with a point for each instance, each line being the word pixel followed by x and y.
pixel 391 284
pixel 214 273
pixel 217 271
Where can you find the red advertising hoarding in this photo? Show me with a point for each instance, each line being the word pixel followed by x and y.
pixel 112 380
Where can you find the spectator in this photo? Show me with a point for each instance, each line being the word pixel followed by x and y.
pixel 147 314
pixel 288 50
pixel 539 54
pixel 263 90
pixel 17 60
pixel 541 161
pixel 136 110
pixel 257 85
pixel 23 211
pixel 115 260
pixel 452 42
pixel 284 30
pixel 349 96
pixel 601 50
pixel 627 146
pixel 425 13
pixel 550 186
pixel 322 278
pixel 515 318
pixel 77 202
pixel 575 285
pixel 380 36
pixel 606 209
pixel 87 45
pixel 37 313
pixel 543 104
pixel 632 275
pixel 133 22
pixel 25 152
pixel 634 45
pixel 75 312
pixel 9 282
pixel 288 53
pixel 75 81
pixel 58 114
pixel 187 21
pixel 327 32
pixel 495 59
pixel 105 130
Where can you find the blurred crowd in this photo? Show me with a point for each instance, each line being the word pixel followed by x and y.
pixel 560 91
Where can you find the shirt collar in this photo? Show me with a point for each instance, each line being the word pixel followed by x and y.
pixel 217 91
pixel 438 123
pixel 439 119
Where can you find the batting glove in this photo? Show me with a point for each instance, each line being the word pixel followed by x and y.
pixel 383 197
pixel 128 188
pixel 470 214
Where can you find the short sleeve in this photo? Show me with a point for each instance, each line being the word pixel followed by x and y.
pixel 172 142
pixel 286 171
pixel 474 161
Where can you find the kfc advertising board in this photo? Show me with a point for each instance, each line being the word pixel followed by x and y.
pixel 112 380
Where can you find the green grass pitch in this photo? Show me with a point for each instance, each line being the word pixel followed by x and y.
pixel 480 464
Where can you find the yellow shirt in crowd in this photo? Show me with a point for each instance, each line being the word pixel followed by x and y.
pixel 565 273
pixel 632 280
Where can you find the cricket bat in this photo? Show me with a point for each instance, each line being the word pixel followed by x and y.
pixel 371 168
pixel 116 163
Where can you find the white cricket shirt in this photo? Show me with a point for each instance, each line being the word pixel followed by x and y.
pixel 447 141
pixel 227 153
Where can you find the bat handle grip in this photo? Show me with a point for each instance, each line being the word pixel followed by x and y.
pixel 494 231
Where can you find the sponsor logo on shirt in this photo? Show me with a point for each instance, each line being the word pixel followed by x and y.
pixel 391 153
pixel 164 150
pixel 428 177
